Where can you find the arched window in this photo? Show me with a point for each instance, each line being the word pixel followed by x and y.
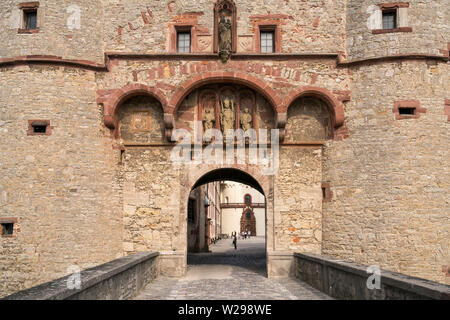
pixel 248 199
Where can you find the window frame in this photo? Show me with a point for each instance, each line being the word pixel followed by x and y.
pixel 267 31
pixel 27 8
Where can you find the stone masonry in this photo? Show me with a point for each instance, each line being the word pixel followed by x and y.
pixel 107 80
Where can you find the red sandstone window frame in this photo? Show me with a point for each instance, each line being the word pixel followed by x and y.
pixel 408 104
pixel 390 7
pixel 33 123
pixel 326 192
pixel 27 7
pixel 14 221
pixel 182 28
pixel 268 26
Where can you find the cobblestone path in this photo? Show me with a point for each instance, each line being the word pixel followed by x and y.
pixel 226 274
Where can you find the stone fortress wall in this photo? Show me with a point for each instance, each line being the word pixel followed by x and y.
pixel 78 203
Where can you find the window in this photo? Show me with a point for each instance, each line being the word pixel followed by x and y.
pixel 39 127
pixel 267 41
pixel 30 19
pixel 248 199
pixel 183 41
pixel 389 19
pixel 7 229
pixel 407 111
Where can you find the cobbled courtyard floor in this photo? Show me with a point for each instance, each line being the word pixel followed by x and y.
pixel 228 274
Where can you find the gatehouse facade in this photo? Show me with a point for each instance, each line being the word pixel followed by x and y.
pixel 93 95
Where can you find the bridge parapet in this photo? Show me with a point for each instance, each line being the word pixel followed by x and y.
pixel 347 280
pixel 119 279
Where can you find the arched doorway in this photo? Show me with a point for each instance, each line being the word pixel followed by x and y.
pixel 223 191
pixel 248 222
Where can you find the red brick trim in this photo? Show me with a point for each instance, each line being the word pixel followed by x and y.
pixel 399 57
pixel 447 108
pixel 335 105
pixel 30 131
pixel 393 5
pixel 326 189
pixel 402 29
pixel 223 77
pixel 52 60
pixel 112 99
pixel 16 227
pixel 28 31
pixel 408 104
pixel 29 5
pixel 217 7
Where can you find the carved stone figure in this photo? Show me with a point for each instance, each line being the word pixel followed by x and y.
pixel 225 38
pixel 209 119
pixel 246 120
pixel 227 116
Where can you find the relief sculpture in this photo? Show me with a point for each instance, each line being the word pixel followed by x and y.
pixel 246 119
pixel 227 113
pixel 209 119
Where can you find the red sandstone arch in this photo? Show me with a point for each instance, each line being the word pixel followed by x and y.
pixel 335 106
pixel 113 99
pixel 220 76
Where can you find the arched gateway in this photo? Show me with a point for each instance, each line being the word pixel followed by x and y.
pixel 158 174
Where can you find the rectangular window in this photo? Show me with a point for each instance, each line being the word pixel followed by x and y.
pixel 267 41
pixel 7 229
pixel 389 19
pixel 184 41
pixel 30 19
pixel 407 111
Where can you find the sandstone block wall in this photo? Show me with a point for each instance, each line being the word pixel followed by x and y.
pixel 56 36
pixel 390 178
pixel 428 20
pixel 59 187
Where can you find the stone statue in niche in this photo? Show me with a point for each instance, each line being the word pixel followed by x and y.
pixel 246 120
pixel 227 114
pixel 225 38
pixel 209 119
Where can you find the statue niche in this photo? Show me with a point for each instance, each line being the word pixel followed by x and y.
pixel 225 29
pixel 209 115
pixel 227 113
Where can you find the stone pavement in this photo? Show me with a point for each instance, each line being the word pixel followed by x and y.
pixel 228 274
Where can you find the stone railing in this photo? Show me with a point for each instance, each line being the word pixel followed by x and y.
pixel 119 279
pixel 347 280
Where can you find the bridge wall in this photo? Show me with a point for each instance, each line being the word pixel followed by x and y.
pixel 120 279
pixel 352 281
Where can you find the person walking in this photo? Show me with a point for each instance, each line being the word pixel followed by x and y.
pixel 249 233
pixel 235 241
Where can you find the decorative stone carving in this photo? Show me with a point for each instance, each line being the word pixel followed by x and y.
pixel 225 38
pixel 246 119
pixel 209 119
pixel 204 43
pixel 227 113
